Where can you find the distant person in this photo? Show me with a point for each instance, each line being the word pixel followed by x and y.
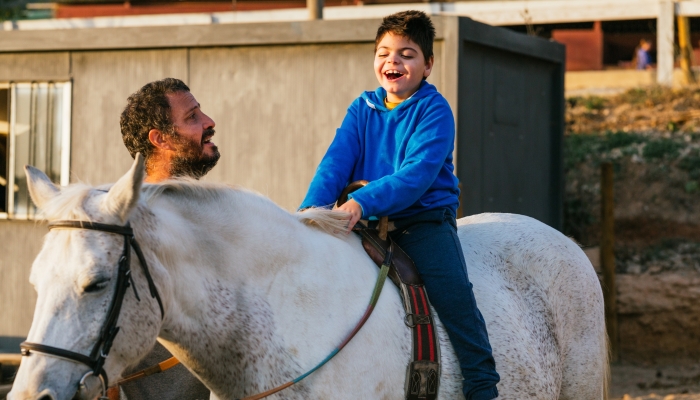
pixel 641 55
pixel 401 138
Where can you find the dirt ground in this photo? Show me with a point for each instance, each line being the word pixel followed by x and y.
pixel 634 382
pixel 652 137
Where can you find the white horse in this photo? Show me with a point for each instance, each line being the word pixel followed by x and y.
pixel 255 296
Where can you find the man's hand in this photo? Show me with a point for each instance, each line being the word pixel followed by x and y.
pixel 354 209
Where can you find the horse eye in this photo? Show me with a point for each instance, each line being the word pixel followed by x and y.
pixel 96 286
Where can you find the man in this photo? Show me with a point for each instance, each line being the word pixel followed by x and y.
pixel 164 122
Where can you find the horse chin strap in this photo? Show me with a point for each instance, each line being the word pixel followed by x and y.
pixel 95 361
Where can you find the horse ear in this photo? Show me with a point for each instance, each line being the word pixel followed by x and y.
pixel 41 189
pixel 124 194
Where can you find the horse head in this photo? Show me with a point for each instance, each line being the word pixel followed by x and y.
pixel 76 276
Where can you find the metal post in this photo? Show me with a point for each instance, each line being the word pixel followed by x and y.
pixel 664 42
pixel 315 8
pixel 607 256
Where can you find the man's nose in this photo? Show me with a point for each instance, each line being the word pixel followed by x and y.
pixel 208 122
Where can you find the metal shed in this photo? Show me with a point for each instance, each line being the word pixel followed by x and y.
pixel 510 123
pixel 278 91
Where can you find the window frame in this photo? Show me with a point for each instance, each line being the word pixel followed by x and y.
pixel 65 153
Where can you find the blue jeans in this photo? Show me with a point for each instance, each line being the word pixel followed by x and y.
pixel 430 239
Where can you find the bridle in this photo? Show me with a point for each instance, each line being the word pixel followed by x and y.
pixel 95 361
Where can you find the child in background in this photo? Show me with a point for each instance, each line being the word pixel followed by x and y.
pixel 642 54
pixel 400 138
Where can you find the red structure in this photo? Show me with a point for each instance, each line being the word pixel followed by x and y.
pixel 584 47
pixel 104 8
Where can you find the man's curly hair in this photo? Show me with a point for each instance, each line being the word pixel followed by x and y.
pixel 414 25
pixel 148 109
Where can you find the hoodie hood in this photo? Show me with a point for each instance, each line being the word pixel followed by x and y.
pixel 375 99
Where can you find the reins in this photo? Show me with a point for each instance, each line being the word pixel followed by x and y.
pixel 95 361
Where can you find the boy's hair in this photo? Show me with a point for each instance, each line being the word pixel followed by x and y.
pixel 414 25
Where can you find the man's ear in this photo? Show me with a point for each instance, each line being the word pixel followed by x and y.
pixel 159 139
pixel 429 66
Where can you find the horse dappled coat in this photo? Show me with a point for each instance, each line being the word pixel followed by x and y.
pixel 248 304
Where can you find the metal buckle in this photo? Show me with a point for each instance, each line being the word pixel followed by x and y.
pixel 82 386
pixel 411 320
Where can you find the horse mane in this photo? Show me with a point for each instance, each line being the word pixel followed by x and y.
pixel 69 204
pixel 331 222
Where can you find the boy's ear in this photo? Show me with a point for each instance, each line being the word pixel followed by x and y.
pixel 429 66
pixel 159 139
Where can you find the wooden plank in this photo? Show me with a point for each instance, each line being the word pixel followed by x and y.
pixel 230 34
pixel 607 256
pixel 685 47
pixel 35 66
pixel 103 81
pixel 4 390
pixel 523 12
pixel 190 36
pixel 688 8
pixel 10 359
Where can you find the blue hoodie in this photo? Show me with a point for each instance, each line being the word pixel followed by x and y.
pixel 405 154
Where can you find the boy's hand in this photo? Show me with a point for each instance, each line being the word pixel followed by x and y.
pixel 354 209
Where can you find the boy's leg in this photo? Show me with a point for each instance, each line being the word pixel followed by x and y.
pixel 434 247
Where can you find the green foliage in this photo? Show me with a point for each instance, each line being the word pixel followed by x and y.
pixel 594 103
pixel 577 149
pixel 691 186
pixel 649 96
pixel 691 164
pixel 615 140
pixel 583 147
pixel 13 9
pixel 661 148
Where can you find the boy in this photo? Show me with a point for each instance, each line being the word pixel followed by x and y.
pixel 400 138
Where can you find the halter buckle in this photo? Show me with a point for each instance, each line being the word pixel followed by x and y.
pixel 82 386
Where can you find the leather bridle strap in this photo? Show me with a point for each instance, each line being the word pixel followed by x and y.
pixel 95 361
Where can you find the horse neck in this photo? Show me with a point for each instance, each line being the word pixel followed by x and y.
pixel 228 275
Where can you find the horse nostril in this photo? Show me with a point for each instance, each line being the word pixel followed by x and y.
pixel 46 397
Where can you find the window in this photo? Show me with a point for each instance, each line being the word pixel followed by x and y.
pixel 34 130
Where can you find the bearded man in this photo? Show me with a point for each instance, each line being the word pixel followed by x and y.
pixel 164 122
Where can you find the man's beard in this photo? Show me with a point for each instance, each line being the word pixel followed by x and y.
pixel 190 159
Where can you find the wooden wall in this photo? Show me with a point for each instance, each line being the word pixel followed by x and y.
pixel 102 80
pixel 276 108
pixel 21 241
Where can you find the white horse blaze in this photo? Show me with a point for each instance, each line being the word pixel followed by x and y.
pixel 254 297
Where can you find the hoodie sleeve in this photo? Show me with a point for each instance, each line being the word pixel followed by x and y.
pixel 336 167
pixel 426 152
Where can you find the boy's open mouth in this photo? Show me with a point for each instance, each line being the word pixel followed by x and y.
pixel 392 74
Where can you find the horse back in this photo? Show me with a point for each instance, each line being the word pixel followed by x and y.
pixel 542 304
